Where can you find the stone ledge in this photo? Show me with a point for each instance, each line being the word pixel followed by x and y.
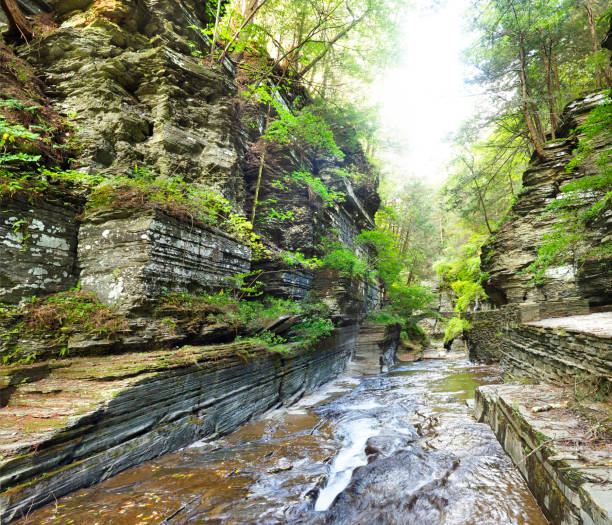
pixel 91 418
pixel 568 472
pixel 597 324
pixel 129 257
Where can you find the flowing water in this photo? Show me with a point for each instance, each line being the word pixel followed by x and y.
pixel 392 448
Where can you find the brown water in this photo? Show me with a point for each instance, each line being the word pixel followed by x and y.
pixel 394 448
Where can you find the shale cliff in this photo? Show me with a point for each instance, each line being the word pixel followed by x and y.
pixel 514 247
pixel 125 332
pixel 553 336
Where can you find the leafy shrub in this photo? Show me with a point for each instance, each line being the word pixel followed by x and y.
pixel 316 186
pixel 388 262
pixel 406 299
pixel 385 317
pixel 454 327
pixel 463 275
pixel 13 135
pixel 342 259
pixel 301 129
pixel 312 329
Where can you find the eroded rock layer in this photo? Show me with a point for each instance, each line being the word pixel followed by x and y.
pixel 123 72
pixel 128 257
pixel 514 247
pixel 38 242
pixel 103 415
pixel 567 470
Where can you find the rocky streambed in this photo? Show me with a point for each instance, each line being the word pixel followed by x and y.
pixel 396 447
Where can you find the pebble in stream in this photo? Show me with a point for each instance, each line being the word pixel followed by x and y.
pixel 394 448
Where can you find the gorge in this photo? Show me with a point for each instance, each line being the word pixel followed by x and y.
pixel 215 307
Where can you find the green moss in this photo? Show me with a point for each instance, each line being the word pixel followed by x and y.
pixel 54 319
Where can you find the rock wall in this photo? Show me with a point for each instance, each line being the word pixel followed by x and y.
pixel 38 240
pixel 124 73
pixel 568 474
pixel 561 353
pixel 127 76
pixel 559 349
pixel 514 246
pixel 283 280
pixel 376 341
pixel 488 329
pixel 130 257
pixel 107 414
pixel 349 300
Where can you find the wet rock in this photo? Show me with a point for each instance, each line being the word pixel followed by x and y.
pixel 104 415
pixel 391 490
pixel 387 444
pixel 37 247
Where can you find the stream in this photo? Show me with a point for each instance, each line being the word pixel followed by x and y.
pixel 386 448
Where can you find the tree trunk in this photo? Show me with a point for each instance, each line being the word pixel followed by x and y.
pixel 215 33
pixel 484 208
pixel 531 124
pixel 294 57
pixel 262 161
pixel 19 25
pixel 602 73
pixel 550 86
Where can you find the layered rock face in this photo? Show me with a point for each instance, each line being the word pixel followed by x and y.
pixel 542 436
pixel 105 415
pixel 124 74
pixel 38 242
pixel 376 341
pixel 514 247
pixel 130 258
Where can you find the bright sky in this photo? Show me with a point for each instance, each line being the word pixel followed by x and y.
pixel 424 98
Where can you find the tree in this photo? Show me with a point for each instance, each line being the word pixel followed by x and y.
pixel 19 26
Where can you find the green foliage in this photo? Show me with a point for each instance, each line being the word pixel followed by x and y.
pixel 582 201
pixel 467 293
pixel 388 262
pixel 316 186
pixel 463 275
pixel 454 327
pixel 407 218
pixel 298 258
pixel 14 135
pixel 405 300
pixel 300 129
pixel 386 318
pixel 312 329
pixel 140 188
pixel 59 316
pixel 250 316
pixel 342 259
